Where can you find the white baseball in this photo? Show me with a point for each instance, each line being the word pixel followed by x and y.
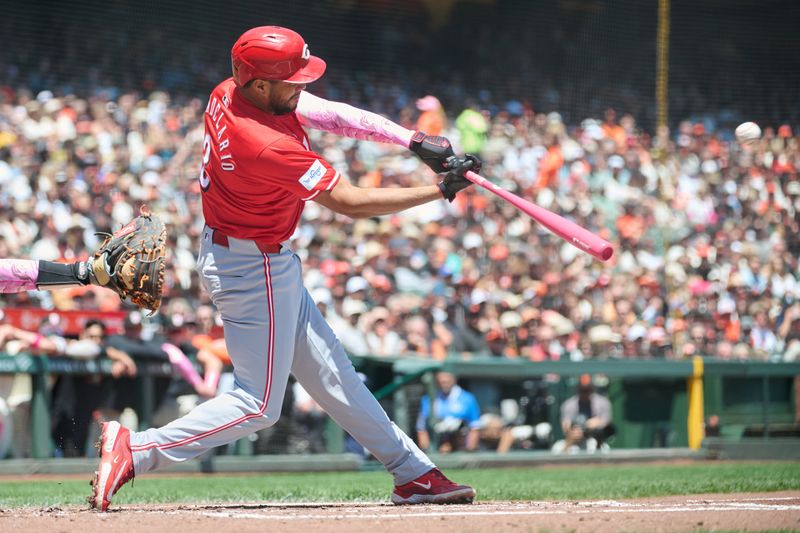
pixel 748 133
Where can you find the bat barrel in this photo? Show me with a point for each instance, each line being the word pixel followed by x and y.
pixel 571 232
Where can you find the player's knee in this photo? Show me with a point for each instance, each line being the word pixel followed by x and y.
pixel 263 422
pixel 270 414
pixel 259 414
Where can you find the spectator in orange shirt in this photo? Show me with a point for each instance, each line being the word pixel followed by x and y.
pixel 631 225
pixel 551 163
pixel 212 352
pixel 727 320
pixel 431 119
pixel 612 129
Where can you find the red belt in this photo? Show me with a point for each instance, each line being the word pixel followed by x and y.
pixel 219 238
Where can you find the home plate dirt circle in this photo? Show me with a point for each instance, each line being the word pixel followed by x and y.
pixel 741 512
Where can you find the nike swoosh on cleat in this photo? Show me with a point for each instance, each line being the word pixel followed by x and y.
pixel 113 488
pixel 425 486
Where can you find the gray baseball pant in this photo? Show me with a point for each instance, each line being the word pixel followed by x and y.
pixel 273 327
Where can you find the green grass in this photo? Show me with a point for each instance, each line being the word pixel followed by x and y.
pixel 556 483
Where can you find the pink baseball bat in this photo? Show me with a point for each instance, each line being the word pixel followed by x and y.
pixel 571 232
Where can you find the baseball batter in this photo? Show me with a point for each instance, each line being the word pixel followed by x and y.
pixel 258 170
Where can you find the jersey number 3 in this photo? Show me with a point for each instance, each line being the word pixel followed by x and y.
pixel 205 179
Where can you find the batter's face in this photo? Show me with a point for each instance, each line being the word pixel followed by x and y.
pixel 283 96
pixel 274 97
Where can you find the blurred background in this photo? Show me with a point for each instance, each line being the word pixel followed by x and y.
pixel 618 114
pixel 577 57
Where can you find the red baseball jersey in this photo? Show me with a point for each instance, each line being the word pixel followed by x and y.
pixel 258 169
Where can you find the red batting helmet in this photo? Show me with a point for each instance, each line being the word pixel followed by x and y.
pixel 274 53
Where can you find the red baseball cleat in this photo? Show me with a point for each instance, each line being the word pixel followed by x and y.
pixel 432 487
pixel 116 465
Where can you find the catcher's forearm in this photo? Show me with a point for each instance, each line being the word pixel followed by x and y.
pixel 59 275
pixel 344 119
pixel 19 275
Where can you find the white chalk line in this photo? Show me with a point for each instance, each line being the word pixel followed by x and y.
pixel 771 499
pixel 355 506
pixel 620 507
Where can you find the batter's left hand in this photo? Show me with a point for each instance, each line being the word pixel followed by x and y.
pixel 455 181
pixel 433 150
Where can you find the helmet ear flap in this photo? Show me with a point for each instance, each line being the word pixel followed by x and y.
pixel 235 73
pixel 236 67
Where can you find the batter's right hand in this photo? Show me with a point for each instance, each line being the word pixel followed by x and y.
pixel 455 181
pixel 434 151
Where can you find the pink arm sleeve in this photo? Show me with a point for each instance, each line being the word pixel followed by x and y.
pixel 344 119
pixel 18 275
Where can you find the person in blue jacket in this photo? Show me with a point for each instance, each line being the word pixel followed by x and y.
pixel 456 417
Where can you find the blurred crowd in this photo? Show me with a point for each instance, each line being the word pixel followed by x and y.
pixel 705 230
pixel 706 236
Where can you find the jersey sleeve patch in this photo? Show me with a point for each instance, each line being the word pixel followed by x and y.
pixel 313 175
pixel 330 186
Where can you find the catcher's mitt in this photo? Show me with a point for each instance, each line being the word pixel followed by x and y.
pixel 131 261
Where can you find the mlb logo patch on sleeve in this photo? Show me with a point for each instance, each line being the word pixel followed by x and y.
pixel 312 176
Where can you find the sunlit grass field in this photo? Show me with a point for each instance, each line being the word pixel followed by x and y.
pixel 537 483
